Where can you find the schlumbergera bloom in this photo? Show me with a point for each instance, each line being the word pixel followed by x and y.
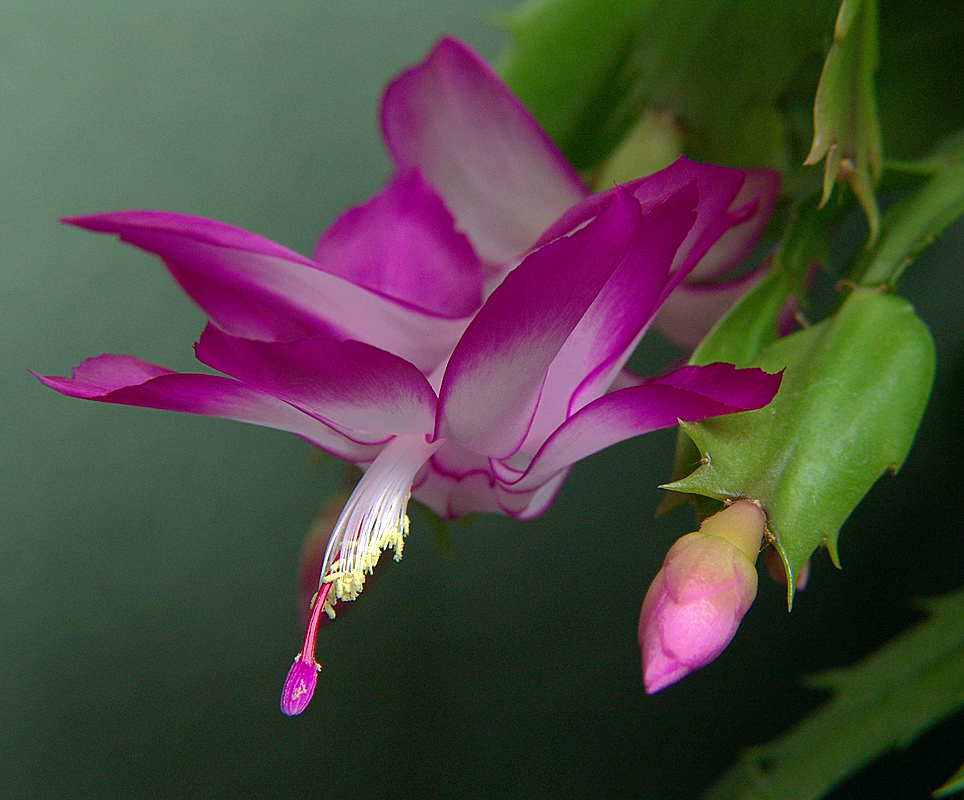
pixel 462 335
pixel 696 601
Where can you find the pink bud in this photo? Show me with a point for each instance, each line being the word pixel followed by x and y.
pixel 696 602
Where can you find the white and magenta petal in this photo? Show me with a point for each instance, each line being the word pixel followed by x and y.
pixel 717 186
pixel 744 221
pixel 252 287
pixel 351 384
pixel 455 482
pixel 607 334
pixel 708 292
pixel 452 495
pixel 402 243
pixel 131 381
pixel 733 208
pixel 452 118
pixel 531 502
pixel 688 394
pixel 494 377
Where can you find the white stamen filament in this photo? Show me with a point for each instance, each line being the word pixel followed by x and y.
pixel 374 518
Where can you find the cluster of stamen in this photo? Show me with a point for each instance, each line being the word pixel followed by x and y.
pixel 373 520
pixel 359 553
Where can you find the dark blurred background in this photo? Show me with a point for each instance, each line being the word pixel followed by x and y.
pixel 147 593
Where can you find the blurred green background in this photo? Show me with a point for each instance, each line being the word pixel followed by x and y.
pixel 147 593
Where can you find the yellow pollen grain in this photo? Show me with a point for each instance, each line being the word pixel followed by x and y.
pixel 349 580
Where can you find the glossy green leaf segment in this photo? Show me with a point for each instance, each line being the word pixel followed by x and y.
pixel 885 701
pixel 853 392
pixel 912 224
pixel 752 323
pixel 589 70
pixel 846 128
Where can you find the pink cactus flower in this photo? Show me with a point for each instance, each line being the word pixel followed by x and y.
pixel 695 603
pixel 461 336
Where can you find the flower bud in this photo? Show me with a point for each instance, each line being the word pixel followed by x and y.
pixel 696 602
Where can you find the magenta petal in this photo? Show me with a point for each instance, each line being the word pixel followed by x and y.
pixel 453 119
pixel 252 287
pixel 96 377
pixel 688 394
pixel 351 384
pixel 130 381
pixel 733 209
pixel 494 377
pixel 456 482
pixel 744 221
pixel 403 244
pixel 739 389
pixel 697 303
pixel 717 186
pixel 608 333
